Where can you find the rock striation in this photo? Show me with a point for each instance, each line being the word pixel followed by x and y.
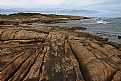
pixel 56 54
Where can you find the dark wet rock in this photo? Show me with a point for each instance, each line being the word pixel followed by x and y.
pixel 75 28
pixel 119 37
pixel 118 46
pixel 78 28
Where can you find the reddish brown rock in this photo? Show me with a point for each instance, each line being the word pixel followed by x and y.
pixel 56 54
pixel 22 36
pixel 93 69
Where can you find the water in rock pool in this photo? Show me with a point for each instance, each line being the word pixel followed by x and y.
pixel 105 27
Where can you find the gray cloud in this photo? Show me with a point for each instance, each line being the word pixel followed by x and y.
pixel 78 7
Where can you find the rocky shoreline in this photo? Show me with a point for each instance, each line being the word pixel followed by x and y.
pixel 57 54
pixel 25 18
pixel 37 53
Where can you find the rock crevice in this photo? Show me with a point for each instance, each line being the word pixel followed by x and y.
pixel 32 54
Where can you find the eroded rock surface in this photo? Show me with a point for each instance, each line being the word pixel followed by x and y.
pixel 56 54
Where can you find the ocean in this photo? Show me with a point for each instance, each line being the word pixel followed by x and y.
pixel 103 27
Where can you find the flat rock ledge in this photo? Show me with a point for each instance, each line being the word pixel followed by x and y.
pixel 56 54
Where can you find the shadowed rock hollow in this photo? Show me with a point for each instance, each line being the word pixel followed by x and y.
pixel 57 54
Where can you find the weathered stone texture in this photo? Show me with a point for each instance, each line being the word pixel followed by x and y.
pixel 53 54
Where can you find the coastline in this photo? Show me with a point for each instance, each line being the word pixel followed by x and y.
pixel 37 19
pixel 57 53
pixel 22 18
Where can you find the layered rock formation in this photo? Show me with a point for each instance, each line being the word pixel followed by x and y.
pixel 22 18
pixel 56 54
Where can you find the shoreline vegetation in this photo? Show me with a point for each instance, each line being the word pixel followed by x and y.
pixel 33 53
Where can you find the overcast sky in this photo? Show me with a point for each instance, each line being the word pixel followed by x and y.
pixel 101 7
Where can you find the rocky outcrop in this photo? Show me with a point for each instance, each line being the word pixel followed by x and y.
pixel 97 62
pixel 25 18
pixel 21 35
pixel 62 55
pixel 77 17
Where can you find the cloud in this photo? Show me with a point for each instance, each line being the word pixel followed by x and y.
pixel 89 7
pixel 49 2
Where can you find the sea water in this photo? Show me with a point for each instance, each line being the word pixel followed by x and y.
pixel 109 28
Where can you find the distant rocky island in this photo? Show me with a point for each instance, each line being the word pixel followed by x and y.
pixel 21 18
pixel 51 53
